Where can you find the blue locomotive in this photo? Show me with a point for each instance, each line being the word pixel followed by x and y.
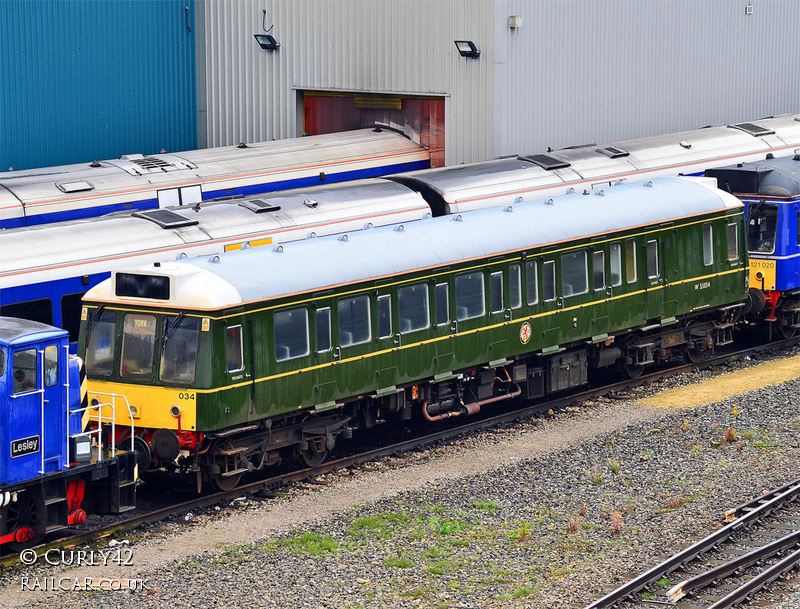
pixel 51 473
pixel 770 190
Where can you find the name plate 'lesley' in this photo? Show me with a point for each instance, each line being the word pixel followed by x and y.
pixel 25 446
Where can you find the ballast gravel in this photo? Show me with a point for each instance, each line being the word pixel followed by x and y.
pixel 541 514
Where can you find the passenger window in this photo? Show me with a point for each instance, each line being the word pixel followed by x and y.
pixel 442 293
pixel 798 228
pixel 532 282
pixel 470 296
pixel 323 317
pixel 101 343
pixel 138 343
pixel 355 326
pixel 291 334
pixel 549 280
pixel 496 291
pixel 652 260
pixel 2 362
pixel 515 286
pixel 413 308
pixel 598 270
pixel 630 261
pixel 616 265
pixel 574 274
pixel 50 365
pixel 733 242
pixel 36 310
pixel 179 350
pixel 384 316
pixel 25 371
pixel 234 348
pixel 708 245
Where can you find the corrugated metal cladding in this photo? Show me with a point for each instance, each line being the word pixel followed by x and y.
pixel 91 79
pixel 576 71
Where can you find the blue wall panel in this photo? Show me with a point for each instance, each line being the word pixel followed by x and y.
pixel 91 79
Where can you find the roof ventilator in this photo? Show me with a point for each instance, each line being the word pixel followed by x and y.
pixel 259 205
pixel 754 130
pixel 613 153
pixel 165 218
pixel 545 161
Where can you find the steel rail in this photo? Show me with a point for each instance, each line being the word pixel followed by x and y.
pixel 704 545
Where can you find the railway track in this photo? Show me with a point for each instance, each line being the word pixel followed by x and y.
pixel 268 486
pixel 759 544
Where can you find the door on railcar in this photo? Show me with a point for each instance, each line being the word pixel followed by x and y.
pixel 669 271
pixel 238 406
pixel 653 280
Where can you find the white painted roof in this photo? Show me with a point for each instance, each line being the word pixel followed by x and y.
pixel 315 264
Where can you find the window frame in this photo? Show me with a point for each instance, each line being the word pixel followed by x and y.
pixel 532 282
pixel 318 315
pixel 566 263
pixel 379 301
pixel 123 373
pixel 493 277
pixel 426 302
pixel 651 247
pixel 368 317
pixel 549 277
pixel 476 278
pixel 708 243
pixel 438 289
pixel 732 230
pixel 631 262
pixel 227 349
pixel 290 356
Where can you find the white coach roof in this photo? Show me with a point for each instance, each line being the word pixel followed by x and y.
pixel 316 264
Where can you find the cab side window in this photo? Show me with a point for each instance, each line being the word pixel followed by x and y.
pixel 50 365
pixel 25 371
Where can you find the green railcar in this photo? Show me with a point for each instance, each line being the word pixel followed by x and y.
pixel 225 362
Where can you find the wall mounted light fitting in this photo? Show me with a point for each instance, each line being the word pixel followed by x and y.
pixel 467 48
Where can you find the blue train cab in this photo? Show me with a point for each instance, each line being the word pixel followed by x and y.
pixel 770 190
pixel 50 471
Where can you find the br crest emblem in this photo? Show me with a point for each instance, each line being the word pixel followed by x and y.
pixel 525 333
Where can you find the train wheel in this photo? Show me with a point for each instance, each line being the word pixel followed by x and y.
pixel 225 483
pixel 22 517
pixel 788 313
pixel 311 459
pixel 692 355
pixel 631 371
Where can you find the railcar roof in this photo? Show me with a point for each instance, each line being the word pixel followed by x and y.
pixel 316 264
pixel 778 177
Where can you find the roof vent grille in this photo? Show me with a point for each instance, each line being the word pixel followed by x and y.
pixel 613 153
pixel 165 218
pixel 754 130
pixel 545 161
pixel 150 163
pixel 259 205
